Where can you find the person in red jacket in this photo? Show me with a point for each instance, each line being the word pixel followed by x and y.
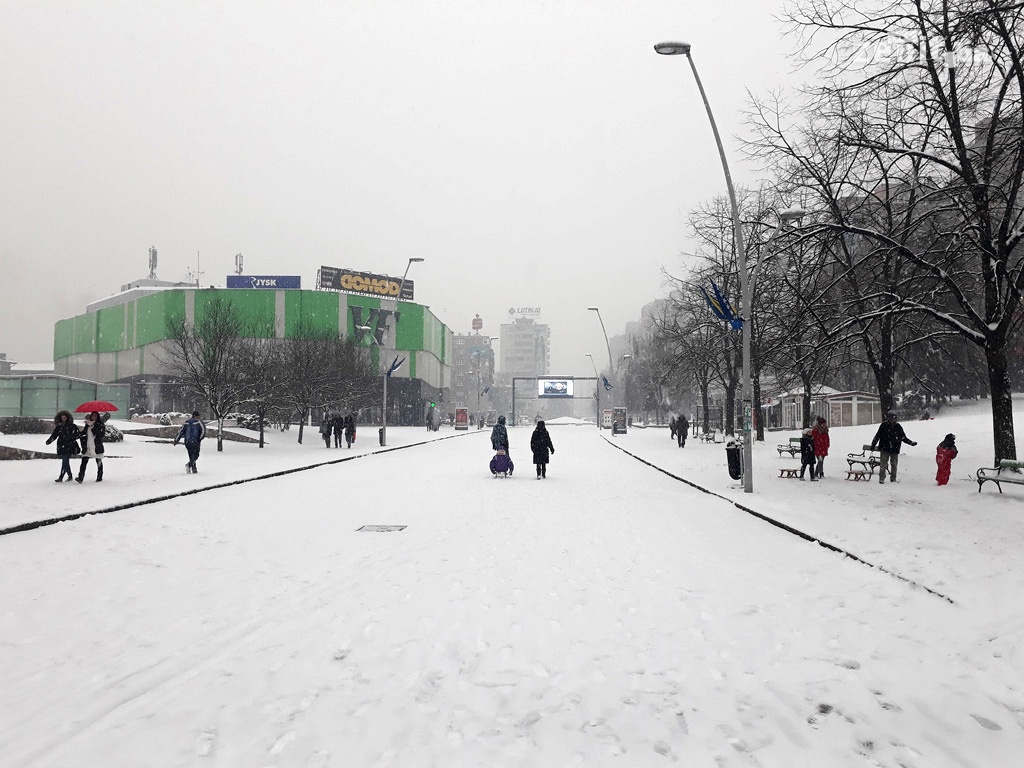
pixel 945 452
pixel 821 443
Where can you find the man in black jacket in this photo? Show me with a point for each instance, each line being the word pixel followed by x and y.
pixel 889 437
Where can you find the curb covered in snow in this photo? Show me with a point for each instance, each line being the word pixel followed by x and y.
pixel 156 499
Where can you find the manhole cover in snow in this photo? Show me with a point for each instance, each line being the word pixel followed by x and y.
pixel 381 528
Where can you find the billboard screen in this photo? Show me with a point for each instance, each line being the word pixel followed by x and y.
pixel 265 282
pixel 554 388
pixel 366 283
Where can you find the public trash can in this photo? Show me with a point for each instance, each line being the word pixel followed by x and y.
pixel 734 456
pixel 380 435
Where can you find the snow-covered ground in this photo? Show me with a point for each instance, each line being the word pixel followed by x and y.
pixel 608 615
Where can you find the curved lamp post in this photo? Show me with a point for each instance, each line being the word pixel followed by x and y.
pixel 611 365
pixel 683 49
pixel 384 409
pixel 401 285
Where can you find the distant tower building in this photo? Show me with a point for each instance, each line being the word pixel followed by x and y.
pixel 525 347
pixel 472 370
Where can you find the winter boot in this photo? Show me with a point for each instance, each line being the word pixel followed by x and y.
pixel 99 472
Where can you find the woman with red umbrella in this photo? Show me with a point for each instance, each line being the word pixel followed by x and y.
pixel 92 445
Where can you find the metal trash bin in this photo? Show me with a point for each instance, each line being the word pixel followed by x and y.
pixel 380 435
pixel 734 457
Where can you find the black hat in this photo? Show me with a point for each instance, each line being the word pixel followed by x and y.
pixel 891 413
pixel 950 438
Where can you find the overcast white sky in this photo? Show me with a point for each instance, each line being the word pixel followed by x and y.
pixel 535 153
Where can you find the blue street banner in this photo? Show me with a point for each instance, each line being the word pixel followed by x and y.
pixel 720 307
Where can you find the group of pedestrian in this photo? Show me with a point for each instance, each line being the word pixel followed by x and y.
pixel 888 440
pixel 540 445
pixel 814 445
pixel 73 440
pixel 340 428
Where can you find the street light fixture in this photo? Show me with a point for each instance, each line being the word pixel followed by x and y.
pixel 683 49
pixel 597 388
pixel 401 285
pixel 611 365
pixel 384 408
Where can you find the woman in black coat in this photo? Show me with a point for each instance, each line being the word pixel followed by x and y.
pixel 540 444
pixel 66 434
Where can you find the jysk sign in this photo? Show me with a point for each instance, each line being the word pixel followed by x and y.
pixel 336 279
pixel 266 282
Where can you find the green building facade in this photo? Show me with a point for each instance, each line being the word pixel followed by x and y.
pixel 126 342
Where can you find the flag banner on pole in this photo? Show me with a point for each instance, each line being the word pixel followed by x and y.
pixel 720 307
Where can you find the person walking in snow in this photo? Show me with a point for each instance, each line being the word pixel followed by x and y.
pixel 66 434
pixel 499 435
pixel 682 429
pixel 92 445
pixel 350 429
pixel 326 427
pixel 945 452
pixel 338 427
pixel 541 445
pixel 672 428
pixel 807 458
pixel 889 438
pixel 192 432
pixel 821 444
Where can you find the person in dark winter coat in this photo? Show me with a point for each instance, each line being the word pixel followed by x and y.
pixel 889 438
pixel 945 452
pixel 192 432
pixel 672 428
pixel 338 427
pixel 326 427
pixel 499 435
pixel 821 445
pixel 350 429
pixel 807 458
pixel 541 445
pixel 66 434
pixel 682 429
pixel 91 437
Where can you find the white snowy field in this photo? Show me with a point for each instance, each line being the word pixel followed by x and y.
pixel 608 615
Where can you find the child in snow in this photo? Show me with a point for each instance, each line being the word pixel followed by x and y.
pixel 945 452
pixel 807 458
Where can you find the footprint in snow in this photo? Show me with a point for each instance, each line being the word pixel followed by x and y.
pixel 205 742
pixel 984 722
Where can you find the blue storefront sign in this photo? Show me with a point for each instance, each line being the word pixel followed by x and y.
pixel 270 282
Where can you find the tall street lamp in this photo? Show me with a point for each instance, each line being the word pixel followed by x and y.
pixel 384 409
pixel 401 285
pixel 611 365
pixel 683 49
pixel 625 382
pixel 597 389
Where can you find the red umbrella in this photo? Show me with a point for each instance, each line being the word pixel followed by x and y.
pixel 95 405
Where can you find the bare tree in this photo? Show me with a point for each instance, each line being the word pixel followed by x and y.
pixel 947 108
pixel 204 355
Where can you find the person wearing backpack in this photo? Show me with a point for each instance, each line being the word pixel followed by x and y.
pixel 192 433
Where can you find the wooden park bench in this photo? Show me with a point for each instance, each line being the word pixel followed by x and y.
pixel 866 461
pixel 707 437
pixel 792 472
pixel 1008 471
pixel 793 448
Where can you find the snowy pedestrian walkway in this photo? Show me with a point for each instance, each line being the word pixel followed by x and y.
pixel 608 615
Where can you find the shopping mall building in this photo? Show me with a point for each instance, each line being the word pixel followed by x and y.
pixel 125 338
